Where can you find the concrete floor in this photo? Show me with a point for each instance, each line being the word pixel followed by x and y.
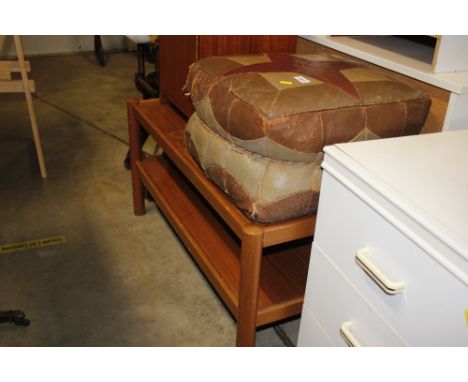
pixel 118 280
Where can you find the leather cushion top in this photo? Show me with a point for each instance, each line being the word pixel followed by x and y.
pixel 288 107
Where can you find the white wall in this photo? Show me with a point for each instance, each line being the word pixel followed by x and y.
pixel 44 45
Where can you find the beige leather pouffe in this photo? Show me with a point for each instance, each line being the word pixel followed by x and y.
pixel 266 189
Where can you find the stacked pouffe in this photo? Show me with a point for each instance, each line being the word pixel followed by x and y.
pixel 261 123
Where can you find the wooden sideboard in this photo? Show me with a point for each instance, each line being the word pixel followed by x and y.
pixel 177 53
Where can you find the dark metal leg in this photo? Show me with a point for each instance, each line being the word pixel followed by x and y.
pixel 98 51
pixel 134 132
pixel 127 161
pixel 148 88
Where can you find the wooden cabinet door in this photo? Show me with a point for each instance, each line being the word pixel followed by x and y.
pixel 230 45
pixel 178 52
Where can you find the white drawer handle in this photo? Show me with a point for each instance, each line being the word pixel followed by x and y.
pixel 388 286
pixel 347 336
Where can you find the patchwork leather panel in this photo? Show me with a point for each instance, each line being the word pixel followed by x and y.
pixel 265 189
pixel 289 107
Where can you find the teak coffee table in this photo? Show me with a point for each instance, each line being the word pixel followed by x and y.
pixel 258 270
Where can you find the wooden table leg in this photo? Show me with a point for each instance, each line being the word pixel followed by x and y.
pixel 136 143
pixel 29 103
pixel 250 267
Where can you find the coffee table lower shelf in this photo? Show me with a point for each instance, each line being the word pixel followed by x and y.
pixel 216 249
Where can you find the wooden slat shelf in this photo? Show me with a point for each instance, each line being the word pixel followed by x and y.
pixel 15 86
pixel 215 249
pixel 259 286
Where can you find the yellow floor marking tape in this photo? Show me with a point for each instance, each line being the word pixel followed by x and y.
pixel 38 243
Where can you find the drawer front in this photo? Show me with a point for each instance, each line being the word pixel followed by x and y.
pixel 310 332
pixel 430 309
pixel 335 303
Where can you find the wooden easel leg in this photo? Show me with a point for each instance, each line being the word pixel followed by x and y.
pixel 250 267
pixel 29 102
pixel 136 143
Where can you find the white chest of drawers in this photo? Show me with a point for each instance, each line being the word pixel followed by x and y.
pixel 389 263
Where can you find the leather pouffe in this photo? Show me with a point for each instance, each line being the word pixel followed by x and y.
pixel 286 108
pixel 266 189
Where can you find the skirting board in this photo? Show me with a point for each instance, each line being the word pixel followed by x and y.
pixel 49 45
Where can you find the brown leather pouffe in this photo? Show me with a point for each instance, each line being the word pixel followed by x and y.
pixel 287 107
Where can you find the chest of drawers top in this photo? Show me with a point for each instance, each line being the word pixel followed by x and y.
pixel 419 184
